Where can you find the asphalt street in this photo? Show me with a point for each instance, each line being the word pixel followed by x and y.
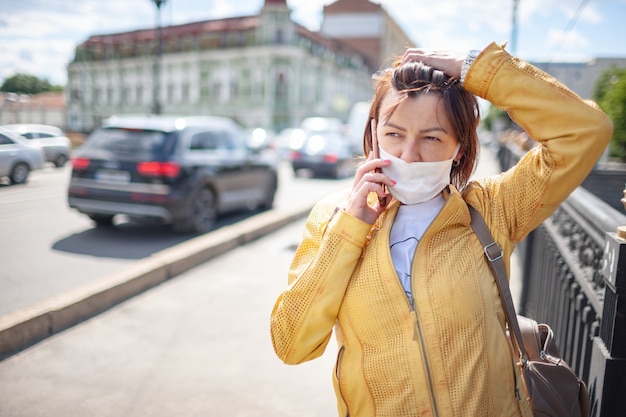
pixel 195 345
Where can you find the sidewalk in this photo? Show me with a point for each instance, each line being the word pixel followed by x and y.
pixel 195 345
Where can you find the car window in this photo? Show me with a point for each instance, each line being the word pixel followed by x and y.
pixel 136 142
pixel 202 141
pixel 4 140
pixel 217 139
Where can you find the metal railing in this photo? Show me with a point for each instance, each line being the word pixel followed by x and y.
pixel 574 279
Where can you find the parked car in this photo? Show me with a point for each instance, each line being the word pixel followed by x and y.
pixel 51 139
pixel 183 171
pixel 17 157
pixel 287 141
pixel 325 150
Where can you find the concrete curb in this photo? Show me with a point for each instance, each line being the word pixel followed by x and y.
pixel 28 326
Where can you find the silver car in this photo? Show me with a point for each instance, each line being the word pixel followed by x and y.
pixel 56 146
pixel 18 157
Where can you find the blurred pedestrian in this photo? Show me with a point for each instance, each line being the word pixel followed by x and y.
pixel 393 265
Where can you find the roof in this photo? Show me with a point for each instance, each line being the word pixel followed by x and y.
pixel 216 26
pixel 351 6
pixel 178 31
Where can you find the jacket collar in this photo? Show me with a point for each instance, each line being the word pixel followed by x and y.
pixel 455 208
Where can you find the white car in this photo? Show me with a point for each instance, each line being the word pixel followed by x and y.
pixel 18 157
pixel 56 146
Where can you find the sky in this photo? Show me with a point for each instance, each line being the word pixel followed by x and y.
pixel 38 37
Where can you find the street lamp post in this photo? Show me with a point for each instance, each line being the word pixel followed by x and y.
pixel 514 28
pixel 156 105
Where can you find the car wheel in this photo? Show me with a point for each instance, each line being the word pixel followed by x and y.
pixel 19 173
pixel 102 220
pixel 60 161
pixel 201 214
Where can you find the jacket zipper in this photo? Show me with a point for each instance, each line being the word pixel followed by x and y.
pixel 419 336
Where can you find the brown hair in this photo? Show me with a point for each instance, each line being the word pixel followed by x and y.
pixel 461 107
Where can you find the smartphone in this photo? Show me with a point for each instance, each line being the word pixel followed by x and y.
pixel 381 200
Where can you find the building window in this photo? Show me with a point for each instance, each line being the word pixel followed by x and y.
pixel 170 93
pixel 241 38
pixel 279 37
pixel 234 88
pixel 257 82
pixel 281 87
pixel 185 93
pixel 216 90
pixel 319 88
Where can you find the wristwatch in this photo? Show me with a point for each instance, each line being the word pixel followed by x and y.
pixel 469 60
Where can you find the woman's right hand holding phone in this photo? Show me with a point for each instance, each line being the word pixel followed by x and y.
pixel 369 179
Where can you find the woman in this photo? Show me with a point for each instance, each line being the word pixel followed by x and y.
pixel 402 278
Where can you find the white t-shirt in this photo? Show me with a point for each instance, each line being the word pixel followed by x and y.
pixel 408 227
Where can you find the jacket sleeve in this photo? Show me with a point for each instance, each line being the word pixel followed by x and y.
pixel 571 133
pixel 304 315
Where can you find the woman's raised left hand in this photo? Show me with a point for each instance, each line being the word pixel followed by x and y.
pixel 448 62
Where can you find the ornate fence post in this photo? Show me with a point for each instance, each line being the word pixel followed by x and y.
pixel 607 379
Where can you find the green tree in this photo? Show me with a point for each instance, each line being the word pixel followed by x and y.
pixel 27 84
pixel 494 114
pixel 610 94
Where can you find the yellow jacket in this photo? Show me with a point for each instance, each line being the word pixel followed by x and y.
pixel 446 355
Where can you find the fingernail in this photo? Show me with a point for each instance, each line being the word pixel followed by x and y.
pixel 387 161
pixel 394 182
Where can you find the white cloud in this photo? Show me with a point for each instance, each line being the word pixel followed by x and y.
pixel 453 24
pixel 562 42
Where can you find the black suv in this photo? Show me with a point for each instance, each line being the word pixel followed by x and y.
pixel 179 170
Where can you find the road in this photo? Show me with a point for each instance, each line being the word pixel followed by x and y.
pixel 48 249
pixel 196 345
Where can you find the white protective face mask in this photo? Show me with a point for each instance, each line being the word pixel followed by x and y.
pixel 417 182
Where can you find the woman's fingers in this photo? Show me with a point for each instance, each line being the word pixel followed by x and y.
pixel 446 61
pixel 368 179
pixel 371 171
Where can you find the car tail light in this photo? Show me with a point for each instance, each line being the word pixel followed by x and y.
pixel 295 155
pixel 80 164
pixel 331 158
pixel 158 169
